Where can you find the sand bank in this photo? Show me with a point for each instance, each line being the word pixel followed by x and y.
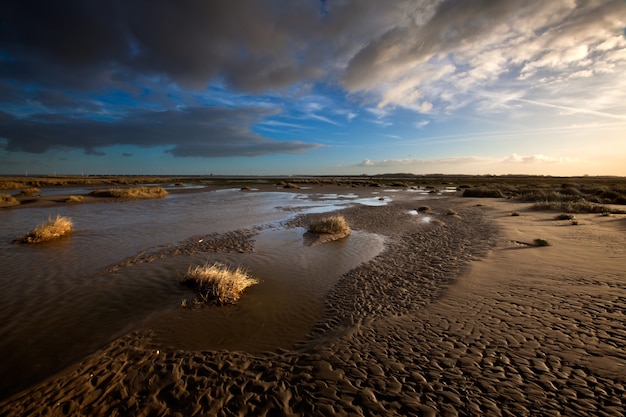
pixel 456 317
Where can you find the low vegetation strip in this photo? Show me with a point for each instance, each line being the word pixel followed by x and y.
pixel 134 192
pixel 53 229
pixel 218 283
pixel 582 206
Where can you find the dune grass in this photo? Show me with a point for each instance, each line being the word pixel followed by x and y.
pixel 218 283
pixel 131 193
pixel 330 225
pixel 7 200
pixel 53 229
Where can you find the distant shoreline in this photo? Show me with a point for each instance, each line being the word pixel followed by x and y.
pixel 509 186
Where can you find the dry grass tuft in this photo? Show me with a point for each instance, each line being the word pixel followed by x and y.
pixel 75 199
pixel 330 225
pixel 135 192
pixel 541 242
pixel 53 229
pixel 29 192
pixel 7 200
pixel 291 185
pixel 218 283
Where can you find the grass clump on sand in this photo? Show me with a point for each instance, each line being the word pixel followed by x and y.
pixel 134 192
pixel 7 200
pixel 564 216
pixel 541 242
pixel 53 229
pixel 217 283
pixel 333 225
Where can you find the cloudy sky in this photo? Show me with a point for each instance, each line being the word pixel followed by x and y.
pixel 313 87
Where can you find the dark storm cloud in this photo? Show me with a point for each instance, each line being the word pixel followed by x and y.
pixel 203 132
pixel 253 45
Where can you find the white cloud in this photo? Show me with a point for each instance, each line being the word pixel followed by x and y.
pixel 464 161
pixel 536 159
pixel 564 53
pixel 392 163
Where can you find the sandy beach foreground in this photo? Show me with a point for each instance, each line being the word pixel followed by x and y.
pixel 460 315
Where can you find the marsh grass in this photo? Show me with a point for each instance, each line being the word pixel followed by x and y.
pixel 291 185
pixel 541 242
pixel 424 208
pixel 75 199
pixel 581 206
pixel 53 229
pixel 330 225
pixel 131 193
pixel 29 192
pixel 564 216
pixel 451 212
pixel 483 192
pixel 7 200
pixel 218 283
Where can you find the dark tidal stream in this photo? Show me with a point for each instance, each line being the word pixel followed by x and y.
pixel 58 303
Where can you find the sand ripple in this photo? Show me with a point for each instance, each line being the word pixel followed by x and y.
pixel 397 339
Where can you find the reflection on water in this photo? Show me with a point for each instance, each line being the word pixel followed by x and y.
pixel 57 304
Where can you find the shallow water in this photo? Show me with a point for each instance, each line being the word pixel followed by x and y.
pixel 282 308
pixel 57 304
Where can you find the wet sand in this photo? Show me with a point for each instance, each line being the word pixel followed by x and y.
pixel 458 316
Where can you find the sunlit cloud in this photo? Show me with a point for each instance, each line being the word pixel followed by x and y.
pixel 465 160
pixel 533 159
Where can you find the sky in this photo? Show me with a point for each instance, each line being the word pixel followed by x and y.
pixel 313 87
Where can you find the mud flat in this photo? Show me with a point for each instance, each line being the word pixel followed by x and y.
pixel 458 316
